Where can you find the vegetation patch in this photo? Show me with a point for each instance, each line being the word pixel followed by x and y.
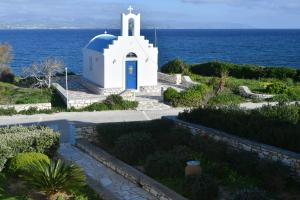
pixel 277 126
pixel 245 71
pixel 19 139
pixel 225 172
pixel 175 66
pixel 192 97
pixel 11 94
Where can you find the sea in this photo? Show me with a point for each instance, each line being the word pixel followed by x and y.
pixel 246 46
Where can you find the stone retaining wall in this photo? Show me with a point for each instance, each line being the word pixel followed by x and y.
pixel 158 190
pixel 169 78
pixel 75 103
pixel 288 158
pixel 23 107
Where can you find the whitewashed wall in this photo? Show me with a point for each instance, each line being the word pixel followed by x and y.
pixel 147 57
pixel 96 74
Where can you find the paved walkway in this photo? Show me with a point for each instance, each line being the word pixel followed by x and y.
pixel 103 178
pixel 113 184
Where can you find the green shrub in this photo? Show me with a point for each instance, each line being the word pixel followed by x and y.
pixel 168 138
pixel 170 94
pixel 112 102
pixel 276 126
pixel 96 107
pixel 19 139
pixel 192 97
pixel 266 170
pixel 163 164
pixel 277 88
pixel 134 147
pixel 250 194
pixel 53 177
pixel 175 66
pixel 107 134
pixel 6 112
pixel 113 99
pixel 21 161
pixel 200 187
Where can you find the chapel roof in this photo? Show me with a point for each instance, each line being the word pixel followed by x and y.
pixel 101 42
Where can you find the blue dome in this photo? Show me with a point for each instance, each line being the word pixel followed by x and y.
pixel 101 42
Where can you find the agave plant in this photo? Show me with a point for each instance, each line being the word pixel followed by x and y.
pixel 53 177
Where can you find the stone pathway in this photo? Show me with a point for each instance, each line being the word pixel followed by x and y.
pixel 114 184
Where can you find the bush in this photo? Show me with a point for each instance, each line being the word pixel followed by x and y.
pixel 200 187
pixel 175 66
pixel 134 147
pixel 112 102
pixel 277 88
pixel 163 164
pixel 170 94
pixel 7 76
pixel 192 97
pixel 19 139
pixel 266 170
pixel 276 126
pixel 168 138
pixel 108 134
pixel 250 194
pixel 20 162
pixel 54 177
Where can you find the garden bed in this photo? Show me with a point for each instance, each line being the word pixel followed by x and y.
pixel 274 125
pixel 160 150
pixel 22 149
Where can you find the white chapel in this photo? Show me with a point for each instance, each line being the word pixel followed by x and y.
pixel 118 63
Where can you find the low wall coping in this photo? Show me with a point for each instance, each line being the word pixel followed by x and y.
pixel 150 185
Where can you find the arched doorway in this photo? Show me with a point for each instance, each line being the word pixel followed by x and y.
pixel 131 71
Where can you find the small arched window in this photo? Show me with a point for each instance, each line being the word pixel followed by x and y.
pixel 131 27
pixel 131 55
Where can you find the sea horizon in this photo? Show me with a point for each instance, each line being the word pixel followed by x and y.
pixel 264 47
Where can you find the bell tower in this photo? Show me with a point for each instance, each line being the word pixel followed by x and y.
pixel 131 23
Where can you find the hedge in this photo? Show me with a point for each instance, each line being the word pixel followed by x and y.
pixel 245 71
pixel 19 139
pixel 274 125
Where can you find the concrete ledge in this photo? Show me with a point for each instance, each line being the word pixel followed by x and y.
pixel 288 158
pixel 169 78
pixel 23 107
pixel 148 184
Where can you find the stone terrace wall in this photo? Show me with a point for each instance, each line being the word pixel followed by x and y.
pixel 23 107
pixel 158 190
pixel 169 78
pixel 288 158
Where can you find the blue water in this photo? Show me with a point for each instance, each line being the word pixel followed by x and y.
pixel 262 47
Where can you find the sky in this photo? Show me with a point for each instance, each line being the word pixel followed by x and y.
pixel 179 14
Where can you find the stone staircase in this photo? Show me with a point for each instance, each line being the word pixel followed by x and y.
pixel 151 103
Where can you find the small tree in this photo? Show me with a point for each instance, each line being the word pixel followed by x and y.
pixel 6 74
pixel 5 55
pixel 43 71
pixel 223 73
pixel 53 177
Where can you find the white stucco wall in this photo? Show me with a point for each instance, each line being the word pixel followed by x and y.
pixel 96 73
pixel 147 58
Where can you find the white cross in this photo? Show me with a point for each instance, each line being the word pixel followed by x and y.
pixel 130 9
pixel 105 32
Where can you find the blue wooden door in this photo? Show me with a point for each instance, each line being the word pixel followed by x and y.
pixel 131 74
